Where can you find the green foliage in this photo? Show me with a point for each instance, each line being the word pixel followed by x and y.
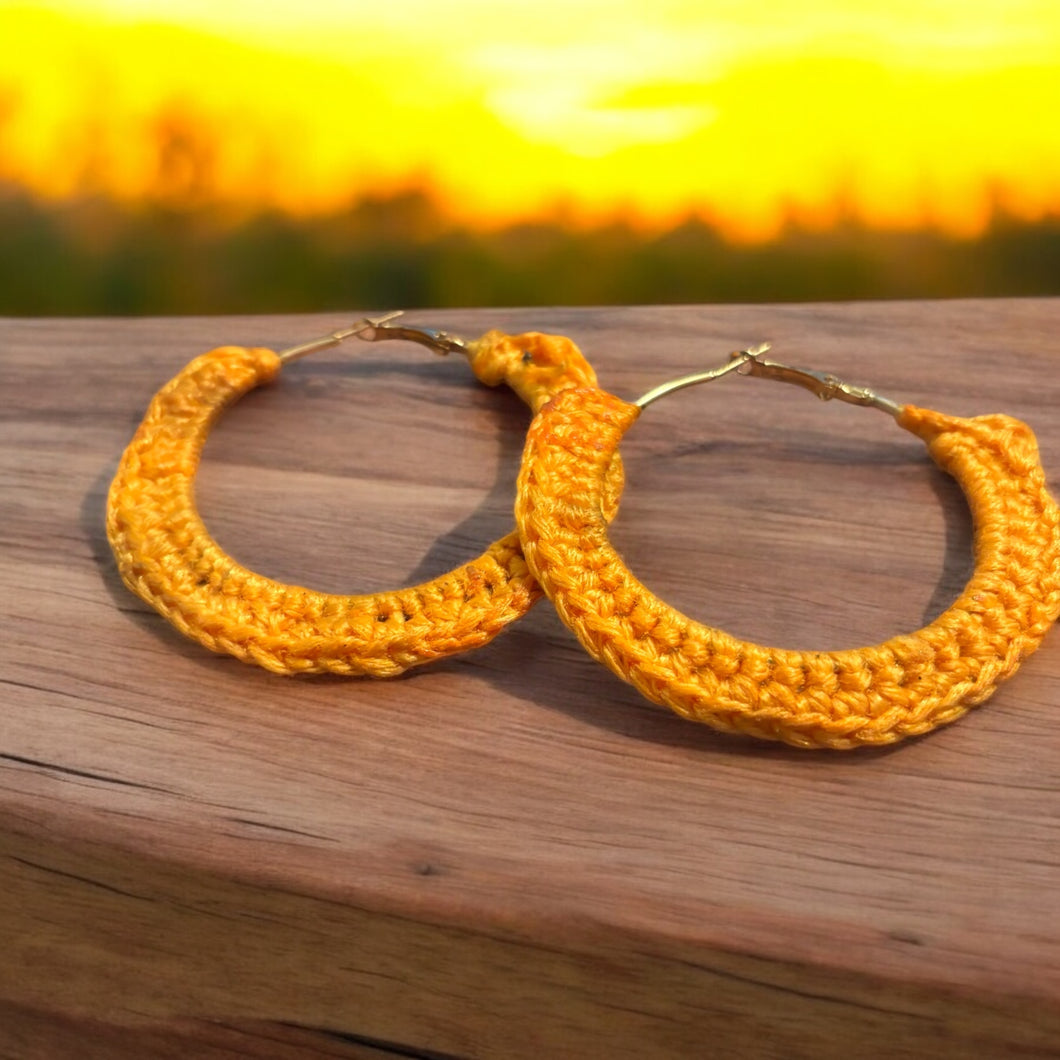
pixel 93 256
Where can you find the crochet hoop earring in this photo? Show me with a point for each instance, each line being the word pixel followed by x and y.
pixel 832 699
pixel 166 555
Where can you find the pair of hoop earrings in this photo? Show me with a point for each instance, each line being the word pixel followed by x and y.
pixel 568 489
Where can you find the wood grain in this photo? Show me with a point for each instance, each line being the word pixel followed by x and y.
pixel 510 854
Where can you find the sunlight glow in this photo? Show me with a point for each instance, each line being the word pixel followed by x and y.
pixel 902 113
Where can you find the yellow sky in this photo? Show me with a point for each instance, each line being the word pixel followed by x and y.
pixel 905 112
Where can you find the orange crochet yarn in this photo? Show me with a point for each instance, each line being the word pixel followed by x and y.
pixel 833 699
pixel 166 555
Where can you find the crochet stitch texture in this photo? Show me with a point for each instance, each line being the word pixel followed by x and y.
pixel 167 557
pixel 906 686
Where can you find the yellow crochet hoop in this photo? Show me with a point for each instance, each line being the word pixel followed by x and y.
pixel 834 699
pixel 166 555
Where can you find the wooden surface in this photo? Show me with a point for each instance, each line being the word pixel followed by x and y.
pixel 511 854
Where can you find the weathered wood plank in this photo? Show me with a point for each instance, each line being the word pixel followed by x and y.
pixel 510 854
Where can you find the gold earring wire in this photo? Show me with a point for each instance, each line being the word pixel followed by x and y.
pixel 750 362
pixel 305 348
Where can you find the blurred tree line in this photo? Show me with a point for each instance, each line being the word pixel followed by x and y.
pixel 94 256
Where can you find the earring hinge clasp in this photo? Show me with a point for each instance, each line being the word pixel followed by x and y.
pixel 433 338
pixel 823 384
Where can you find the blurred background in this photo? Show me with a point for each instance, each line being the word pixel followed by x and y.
pixel 199 156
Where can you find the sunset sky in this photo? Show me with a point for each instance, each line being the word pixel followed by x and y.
pixel 903 112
